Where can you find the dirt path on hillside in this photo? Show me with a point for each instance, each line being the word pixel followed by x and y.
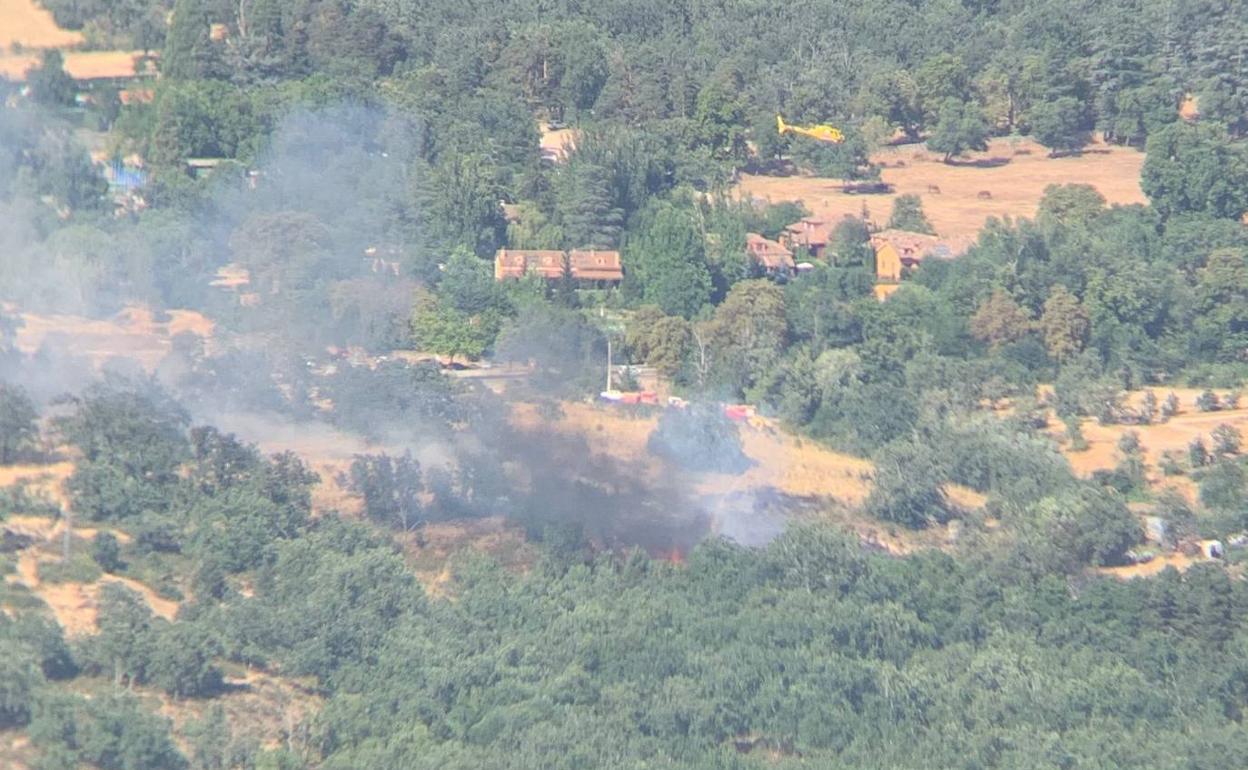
pixel 40 478
pixel 74 605
pixel 1154 566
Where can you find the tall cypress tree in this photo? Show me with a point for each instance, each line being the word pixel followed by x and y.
pixel 189 52
pixel 583 197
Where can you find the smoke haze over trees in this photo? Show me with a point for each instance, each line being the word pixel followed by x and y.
pixel 360 164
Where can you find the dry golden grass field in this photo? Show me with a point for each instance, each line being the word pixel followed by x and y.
pixel 27 24
pixel 81 65
pixel 26 28
pixel 782 464
pixel 133 333
pixel 559 141
pixel 1014 172
pixel 1174 435
pixel 44 479
pixel 73 604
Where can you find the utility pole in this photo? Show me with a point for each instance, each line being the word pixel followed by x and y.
pixel 608 363
pixel 610 327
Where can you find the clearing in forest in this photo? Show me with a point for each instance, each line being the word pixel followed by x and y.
pixel 73 604
pixel 262 705
pixel 133 333
pixel 556 143
pixel 782 462
pixel 80 65
pixel 39 478
pixel 1175 434
pixel 784 466
pixel 30 25
pixel 1007 180
pixel 1159 563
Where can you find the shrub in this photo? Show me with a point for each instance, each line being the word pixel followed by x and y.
pixel 908 486
pixel 1197 455
pixel 699 438
pixel 156 534
pixel 1169 463
pixel 1129 443
pixel 1223 486
pixel 390 487
pixel 79 568
pixel 20 677
pixel 1074 434
pixel 106 552
pixel 181 660
pixel 1226 439
pixel 1148 408
pixel 45 639
pixel 19 432
pixel 1170 407
pixel 1084 526
pixel 18 498
pixel 1207 401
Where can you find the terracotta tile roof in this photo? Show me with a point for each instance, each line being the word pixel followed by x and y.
pixel 911 247
pixel 136 96
pixel 586 265
pixel 772 255
pixel 514 263
pixel 809 232
pixel 594 265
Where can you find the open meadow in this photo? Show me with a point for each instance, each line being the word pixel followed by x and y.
pixel 27 24
pixel 1008 180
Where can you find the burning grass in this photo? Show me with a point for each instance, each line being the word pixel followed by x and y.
pixel 432 552
pixel 789 476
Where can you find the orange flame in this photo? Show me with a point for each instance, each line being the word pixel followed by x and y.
pixel 674 556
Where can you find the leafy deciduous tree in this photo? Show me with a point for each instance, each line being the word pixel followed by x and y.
pixel 18 429
pixel 1000 320
pixel 1195 169
pixel 1064 323
pixel 908 215
pixel 1058 125
pixel 960 127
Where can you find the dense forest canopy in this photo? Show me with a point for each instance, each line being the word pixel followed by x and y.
pixel 361 161
pixel 809 649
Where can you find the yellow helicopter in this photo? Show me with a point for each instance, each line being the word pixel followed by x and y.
pixel 821 132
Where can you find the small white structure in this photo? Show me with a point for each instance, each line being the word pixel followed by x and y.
pixel 1212 549
pixel 1156 529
